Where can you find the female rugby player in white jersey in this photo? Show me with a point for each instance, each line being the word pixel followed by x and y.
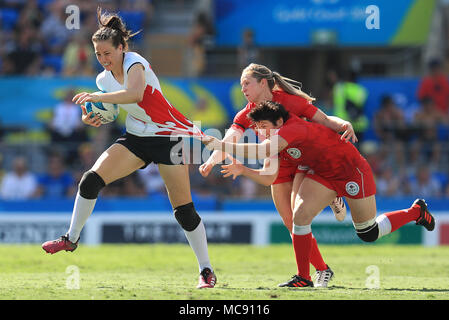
pixel 129 81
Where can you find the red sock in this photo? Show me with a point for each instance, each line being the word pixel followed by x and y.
pixel 315 256
pixel 401 217
pixel 302 244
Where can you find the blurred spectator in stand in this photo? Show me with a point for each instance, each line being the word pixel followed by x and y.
pixel 248 188
pixel 24 57
pixel 129 186
pixel 425 185
pixel 436 86
pixel 84 161
pixel 113 189
pixel 391 184
pixel 66 128
pixel 389 122
pixel 200 185
pixel 55 34
pixel 31 16
pixel 89 22
pixel 79 57
pixel 212 185
pixel 56 182
pixel 133 186
pixel 325 102
pixel 7 41
pixel 247 52
pixel 208 113
pixel 348 99
pixel 137 15
pixel 391 129
pixel 18 184
pixel 2 170
pixel 373 153
pixel 152 180
pixel 200 36
pixel 13 4
pixel 2 133
pixel 426 122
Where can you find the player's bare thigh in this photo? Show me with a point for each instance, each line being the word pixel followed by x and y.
pixel 177 182
pixel 116 162
pixel 281 194
pixel 363 209
pixel 297 180
pixel 314 197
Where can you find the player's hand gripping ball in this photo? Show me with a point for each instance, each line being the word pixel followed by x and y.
pixel 106 112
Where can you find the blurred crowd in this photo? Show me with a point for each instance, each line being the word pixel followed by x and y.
pixel 409 155
pixel 74 150
pixel 43 37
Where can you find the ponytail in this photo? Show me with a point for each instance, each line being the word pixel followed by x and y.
pixel 111 27
pixel 291 86
pixel 274 80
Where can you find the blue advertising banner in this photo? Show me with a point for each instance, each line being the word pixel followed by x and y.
pixel 28 101
pixel 338 22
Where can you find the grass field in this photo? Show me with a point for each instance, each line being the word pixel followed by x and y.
pixel 169 272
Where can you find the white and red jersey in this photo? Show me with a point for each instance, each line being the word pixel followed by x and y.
pixel 154 116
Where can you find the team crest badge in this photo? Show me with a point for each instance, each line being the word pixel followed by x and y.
pixel 352 188
pixel 294 153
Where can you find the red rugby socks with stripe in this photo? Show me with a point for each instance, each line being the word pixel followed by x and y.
pixel 401 217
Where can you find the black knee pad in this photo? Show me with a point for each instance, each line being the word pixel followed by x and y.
pixel 369 234
pixel 90 185
pixel 187 216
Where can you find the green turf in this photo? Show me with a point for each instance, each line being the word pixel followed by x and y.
pixel 169 272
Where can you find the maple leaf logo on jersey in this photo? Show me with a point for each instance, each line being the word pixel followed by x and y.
pixel 294 153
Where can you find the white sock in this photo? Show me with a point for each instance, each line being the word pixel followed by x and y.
pixel 82 209
pixel 302 230
pixel 198 242
pixel 384 225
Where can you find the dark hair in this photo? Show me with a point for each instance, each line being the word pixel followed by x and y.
pixel 386 100
pixel 434 63
pixel 427 100
pixel 111 27
pixel 268 110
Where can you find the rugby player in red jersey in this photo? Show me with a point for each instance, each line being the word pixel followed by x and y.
pixel 336 169
pixel 258 84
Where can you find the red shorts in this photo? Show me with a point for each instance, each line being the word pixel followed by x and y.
pixel 360 184
pixel 302 169
pixel 285 174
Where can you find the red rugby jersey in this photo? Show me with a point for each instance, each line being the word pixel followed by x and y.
pixel 296 105
pixel 318 147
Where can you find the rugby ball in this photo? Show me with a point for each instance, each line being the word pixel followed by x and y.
pixel 107 112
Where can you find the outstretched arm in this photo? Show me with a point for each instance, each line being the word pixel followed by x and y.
pixel 337 124
pixel 268 148
pixel 265 176
pixel 132 94
pixel 232 135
